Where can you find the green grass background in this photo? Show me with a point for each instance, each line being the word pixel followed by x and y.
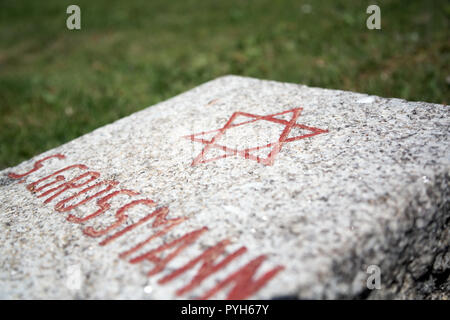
pixel 57 84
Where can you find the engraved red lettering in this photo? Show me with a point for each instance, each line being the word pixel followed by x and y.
pixel 70 185
pixel 207 268
pixel 121 216
pixel 57 179
pixel 37 165
pixel 160 219
pixel 104 205
pixel 60 206
pixel 162 212
pixel 180 244
pixel 32 186
pixel 244 284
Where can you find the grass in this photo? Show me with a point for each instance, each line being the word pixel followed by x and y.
pixel 57 84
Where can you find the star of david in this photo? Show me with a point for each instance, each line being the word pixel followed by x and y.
pixel 247 153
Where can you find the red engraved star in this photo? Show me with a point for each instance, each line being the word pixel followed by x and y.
pixel 247 153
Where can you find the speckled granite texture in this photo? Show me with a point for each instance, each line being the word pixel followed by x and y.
pixel 372 190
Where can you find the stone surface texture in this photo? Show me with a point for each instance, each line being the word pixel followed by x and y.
pixel 373 190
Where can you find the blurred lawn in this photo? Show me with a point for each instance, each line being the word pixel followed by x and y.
pixel 57 84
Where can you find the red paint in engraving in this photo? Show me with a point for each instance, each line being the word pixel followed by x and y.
pixel 37 165
pixel 60 206
pixel 159 216
pixel 148 202
pixel 32 186
pixel 69 185
pixel 208 267
pixel 246 153
pixel 158 234
pixel 120 214
pixel 180 244
pixel 57 179
pixel 104 206
pixel 244 284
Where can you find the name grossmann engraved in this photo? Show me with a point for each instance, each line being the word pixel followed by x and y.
pixel 52 187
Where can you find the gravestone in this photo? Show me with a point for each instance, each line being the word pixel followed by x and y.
pixel 239 188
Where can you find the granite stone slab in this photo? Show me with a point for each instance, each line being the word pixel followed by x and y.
pixel 238 188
